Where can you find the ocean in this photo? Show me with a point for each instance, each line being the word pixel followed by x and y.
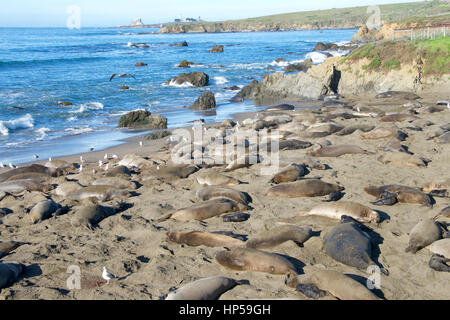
pixel 39 68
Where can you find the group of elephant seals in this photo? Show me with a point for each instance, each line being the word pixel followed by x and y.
pixel 205 210
pixel 404 194
pixel 205 289
pixel 248 259
pixel 279 235
pixel 90 215
pixel 18 186
pixel 34 168
pixel 9 273
pixel 335 210
pixel 337 151
pixel 101 192
pixel 350 245
pixel 210 192
pixel 423 234
pixel 337 284
pixel 199 238
pixel 303 188
pixel 290 173
pixel 44 210
pixel 216 179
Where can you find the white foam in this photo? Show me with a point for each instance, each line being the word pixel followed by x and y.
pixel 21 123
pixel 316 57
pixel 78 130
pixel 339 53
pixel 42 132
pixel 283 63
pixel 220 80
pixel 89 106
pixel 173 83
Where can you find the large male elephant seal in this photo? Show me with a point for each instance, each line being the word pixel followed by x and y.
pixel 247 259
pixel 9 273
pixel 384 132
pixel 199 238
pixel 336 210
pixel 303 188
pixel 205 289
pixel 37 168
pixel 338 284
pixel 404 194
pixel 278 235
pixel 423 234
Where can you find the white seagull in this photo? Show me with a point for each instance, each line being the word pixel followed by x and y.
pixel 141 143
pixel 2 165
pixel 50 159
pixel 81 168
pixel 100 163
pixel 81 159
pixel 106 156
pixel 91 148
pixel 107 276
pixel 35 156
pixel 12 166
pixel 115 156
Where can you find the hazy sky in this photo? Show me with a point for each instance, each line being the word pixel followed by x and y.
pixel 103 13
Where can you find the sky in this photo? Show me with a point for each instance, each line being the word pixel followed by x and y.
pixel 110 13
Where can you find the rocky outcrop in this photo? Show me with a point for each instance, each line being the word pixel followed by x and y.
pixel 301 66
pixel 216 48
pixel 185 64
pixel 181 44
pixel 143 119
pixel 197 79
pixel 206 101
pixel 365 34
pixel 320 46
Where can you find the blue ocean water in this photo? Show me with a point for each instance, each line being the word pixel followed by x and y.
pixel 41 67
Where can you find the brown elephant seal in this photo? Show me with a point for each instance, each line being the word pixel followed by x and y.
pixel 205 289
pixel 441 247
pixel 171 173
pixel 116 182
pixel 216 179
pixel 303 188
pixel 102 193
pixel 205 210
pixel 443 138
pixel 119 170
pixel 247 259
pixel 36 177
pixel 236 217
pixel 210 192
pixel 59 164
pixel 384 132
pixel 404 194
pixel 9 273
pixel 9 246
pixel 337 151
pixel 43 210
pixel 66 188
pixel 199 238
pixel 350 245
pixel 402 159
pixel 290 173
pixel 396 146
pixel 36 168
pixel 242 162
pixel 335 210
pixel 18 186
pixel 398 117
pixel 278 235
pixel 423 234
pixel 337 284
pixel 439 263
pixel 444 213
pixel 350 129
pixel 90 215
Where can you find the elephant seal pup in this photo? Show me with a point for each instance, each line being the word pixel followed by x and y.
pixel 18 186
pixel 216 179
pixel 337 151
pixel 116 182
pixel 199 238
pixel 9 246
pixel 348 244
pixel 404 194
pixel 66 188
pixel 335 210
pixel 279 235
pixel 210 192
pixel 90 215
pixel 204 210
pixel 102 193
pixel 303 188
pixel 337 284
pixel 205 289
pixel 9 273
pixel 247 259
pixel 386 199
pixel 334 196
pixel 290 173
pixel 236 217
pixel 36 168
pixel 43 210
pixel 445 213
pixel 439 263
pixel 384 132
pixel 401 159
pixel 423 234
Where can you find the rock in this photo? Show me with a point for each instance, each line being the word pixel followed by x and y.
pixel 65 103
pixel 125 88
pixel 206 101
pixel 140 64
pixel 181 44
pixel 216 48
pixel 232 88
pixel 320 46
pixel 143 119
pixel 250 91
pixel 280 60
pixel 198 79
pixel 302 66
pixel 185 64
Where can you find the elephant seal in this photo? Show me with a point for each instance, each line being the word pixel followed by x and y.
pixel 441 247
pixel 384 132
pixel 116 182
pixel 9 273
pixel 236 217
pixel 334 196
pixel 34 176
pixel 210 192
pixel 58 164
pixel 398 95
pixel 242 162
pixel 402 159
pixel 303 188
pixel 205 289
pixel 18 186
pixel 281 107
pixel 396 146
pixel 337 151
pixel 90 215
pixel 171 173
pixel 102 193
pixel 335 210
pixel 386 199
pixel 423 234
pixel 444 138
pixel 290 144
pixel 437 185
pixel 337 284
pixel 216 179
pixel 199 238
pixel 43 210
pixel 9 246
pixel 204 210
pixel 404 194
pixel 247 259
pixel 445 213
pixel 36 168
pixel 350 129
pixel 66 188
pixel 278 235
pixel 119 170
pixel 439 263
pixel 398 117
pixel 290 173
pixel 348 244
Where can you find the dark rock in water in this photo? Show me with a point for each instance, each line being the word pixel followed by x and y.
pixel 140 64
pixel 302 66
pixel 232 88
pixel 143 119
pixel 216 48
pixel 280 60
pixel 125 88
pixel 198 79
pixel 397 94
pixel 236 217
pixel 248 92
pixel 181 44
pixel 320 46
pixel 185 64
pixel 65 103
pixel 206 101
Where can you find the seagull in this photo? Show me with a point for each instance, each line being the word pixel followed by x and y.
pixel 115 156
pixel 81 168
pixel 81 159
pixel 91 148
pixel 121 75
pixel 140 143
pixel 107 167
pixel 106 156
pixel 158 167
pixel 12 166
pixel 35 156
pixel 2 165
pixel 50 159
pixel 100 163
pixel 107 276
pixel 94 171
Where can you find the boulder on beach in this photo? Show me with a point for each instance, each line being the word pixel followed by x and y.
pixel 216 48
pixel 142 119
pixel 198 79
pixel 185 64
pixel 206 101
pixel 181 44
pixel 301 66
